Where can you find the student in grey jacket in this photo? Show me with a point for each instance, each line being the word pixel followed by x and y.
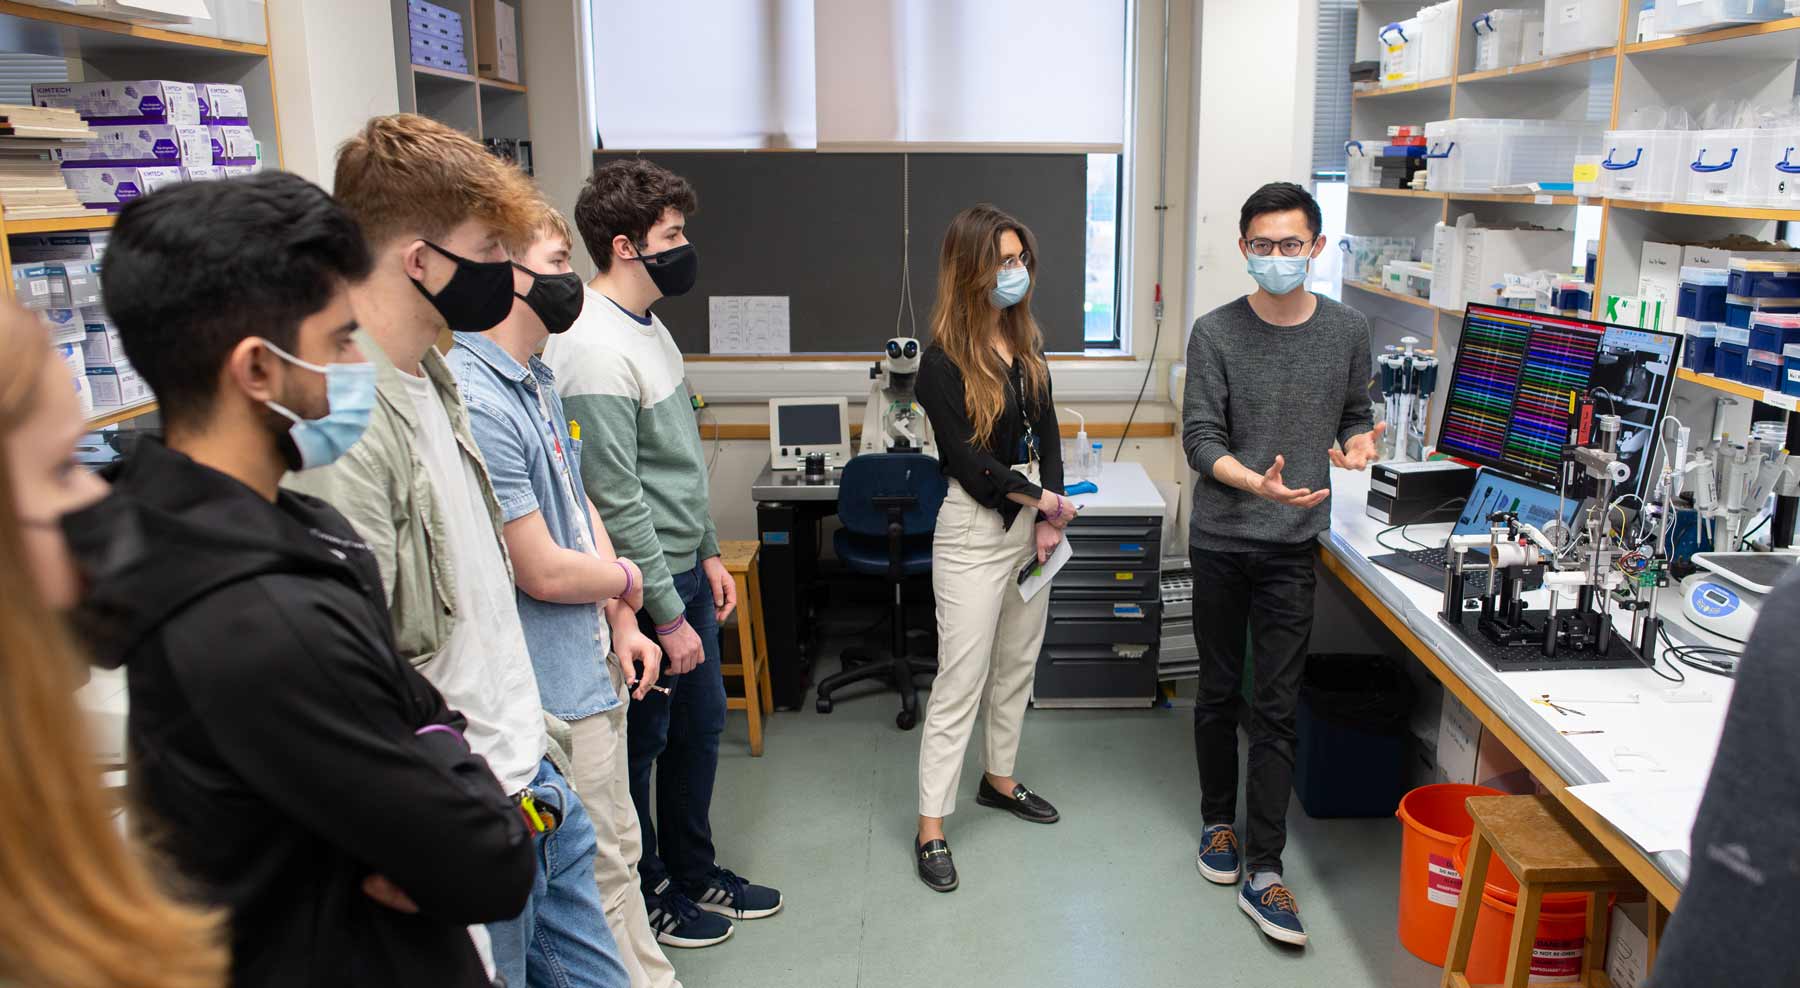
pixel 1275 380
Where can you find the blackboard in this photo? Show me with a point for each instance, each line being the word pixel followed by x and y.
pixel 824 229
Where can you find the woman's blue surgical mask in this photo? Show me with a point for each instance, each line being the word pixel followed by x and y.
pixel 350 399
pixel 1279 275
pixel 1010 287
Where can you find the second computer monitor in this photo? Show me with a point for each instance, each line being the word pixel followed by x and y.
pixel 1507 405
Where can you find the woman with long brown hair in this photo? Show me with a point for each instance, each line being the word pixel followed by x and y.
pixel 78 907
pixel 985 386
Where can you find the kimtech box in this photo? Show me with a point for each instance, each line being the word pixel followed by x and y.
pixel 116 387
pixel 66 325
pixel 147 101
pixel 233 144
pixel 142 144
pixel 111 188
pixel 223 103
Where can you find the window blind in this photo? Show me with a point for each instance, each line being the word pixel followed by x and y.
pixel 1331 86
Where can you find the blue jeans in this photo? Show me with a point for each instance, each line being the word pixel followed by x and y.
pixel 561 939
pixel 678 735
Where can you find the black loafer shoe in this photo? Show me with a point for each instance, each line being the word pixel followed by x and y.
pixel 936 869
pixel 1024 804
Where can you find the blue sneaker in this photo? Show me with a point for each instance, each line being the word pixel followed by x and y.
pixel 728 895
pixel 1275 911
pixel 1218 857
pixel 679 923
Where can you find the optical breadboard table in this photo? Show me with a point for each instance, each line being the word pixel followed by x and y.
pixel 1681 737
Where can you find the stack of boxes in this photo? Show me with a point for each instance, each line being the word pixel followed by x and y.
pixel 151 133
pixel 58 275
pixel 437 37
pixel 1403 157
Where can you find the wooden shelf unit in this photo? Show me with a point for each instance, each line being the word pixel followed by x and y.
pixel 1416 87
pixel 481 106
pixel 145 52
pixel 1641 75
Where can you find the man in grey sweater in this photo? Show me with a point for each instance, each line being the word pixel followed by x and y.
pixel 1277 380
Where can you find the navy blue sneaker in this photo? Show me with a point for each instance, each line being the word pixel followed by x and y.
pixel 1218 857
pixel 680 923
pixel 726 894
pixel 1275 912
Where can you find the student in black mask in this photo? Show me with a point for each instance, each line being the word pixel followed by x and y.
pixel 436 210
pixel 591 662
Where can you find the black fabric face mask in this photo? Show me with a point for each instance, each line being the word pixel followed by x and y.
pixel 476 298
pixel 556 298
pixel 674 270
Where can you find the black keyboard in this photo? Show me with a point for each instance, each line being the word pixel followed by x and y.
pixel 1428 566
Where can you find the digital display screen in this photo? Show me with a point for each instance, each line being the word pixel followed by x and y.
pixel 809 425
pixel 1508 400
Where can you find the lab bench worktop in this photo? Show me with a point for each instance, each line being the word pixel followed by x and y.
pixel 1680 735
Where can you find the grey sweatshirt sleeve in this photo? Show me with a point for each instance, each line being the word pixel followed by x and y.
pixel 1204 430
pixel 1358 417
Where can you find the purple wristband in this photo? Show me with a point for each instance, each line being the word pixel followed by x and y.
pixel 672 626
pixel 1059 508
pixel 627 571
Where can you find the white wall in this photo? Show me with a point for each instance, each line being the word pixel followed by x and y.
pixel 333 62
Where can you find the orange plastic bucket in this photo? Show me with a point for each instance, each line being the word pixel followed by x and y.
pixel 1561 933
pixel 1435 822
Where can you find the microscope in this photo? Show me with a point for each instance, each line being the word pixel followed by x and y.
pixel 893 422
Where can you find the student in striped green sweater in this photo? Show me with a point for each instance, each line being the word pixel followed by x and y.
pixel 621 378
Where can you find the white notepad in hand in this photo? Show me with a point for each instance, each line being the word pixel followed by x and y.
pixel 1041 575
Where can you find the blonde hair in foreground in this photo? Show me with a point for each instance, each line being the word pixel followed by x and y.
pixel 965 323
pixel 78 907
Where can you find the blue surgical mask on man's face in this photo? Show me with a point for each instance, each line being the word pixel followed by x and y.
pixel 1279 275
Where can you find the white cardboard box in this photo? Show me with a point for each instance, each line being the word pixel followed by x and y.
pixel 112 188
pixel 1639 311
pixel 223 103
pixel 1469 754
pixel 1628 945
pixel 143 144
pixel 82 279
pixel 125 101
pixel 66 325
pixel 233 145
pixel 117 387
pixel 1490 254
pixel 39 285
pixel 71 355
pixel 52 247
pixel 101 347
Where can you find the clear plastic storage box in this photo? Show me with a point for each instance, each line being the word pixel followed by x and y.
pixel 1641 164
pixel 1501 35
pixel 1475 155
pixel 1697 350
pixel 1716 167
pixel 1572 26
pixel 1400 52
pixel 1359 163
pixel 1763 278
pixel 1774 168
pixel 1731 352
pixel 1690 16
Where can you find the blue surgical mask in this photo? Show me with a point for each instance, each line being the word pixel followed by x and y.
pixel 1010 287
pixel 350 399
pixel 1278 275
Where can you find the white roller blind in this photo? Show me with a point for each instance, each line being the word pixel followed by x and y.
pixel 691 74
pixel 952 72
pixel 1331 85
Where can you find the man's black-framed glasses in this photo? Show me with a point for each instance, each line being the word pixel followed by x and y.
pixel 1290 247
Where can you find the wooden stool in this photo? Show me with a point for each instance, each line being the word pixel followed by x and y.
pixel 740 560
pixel 1547 851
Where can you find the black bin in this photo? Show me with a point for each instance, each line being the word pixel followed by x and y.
pixel 1352 735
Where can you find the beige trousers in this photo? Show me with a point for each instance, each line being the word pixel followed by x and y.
pixel 603 781
pixel 988 639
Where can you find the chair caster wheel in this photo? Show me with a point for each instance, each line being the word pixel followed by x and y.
pixel 906 720
pixel 824 705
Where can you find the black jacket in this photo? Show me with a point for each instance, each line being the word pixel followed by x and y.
pixel 986 473
pixel 273 736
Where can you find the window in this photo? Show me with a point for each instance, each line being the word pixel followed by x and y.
pixel 18 71
pixel 1100 306
pixel 1331 129
pixel 884 75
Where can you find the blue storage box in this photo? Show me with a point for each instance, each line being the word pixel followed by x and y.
pixel 1572 298
pixel 1731 355
pixel 1773 331
pixel 1763 370
pixel 1764 279
pixel 1739 308
pixel 1593 259
pixel 1702 296
pixel 1697 351
pixel 1790 371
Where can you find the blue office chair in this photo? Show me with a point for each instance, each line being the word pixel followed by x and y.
pixel 889 504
